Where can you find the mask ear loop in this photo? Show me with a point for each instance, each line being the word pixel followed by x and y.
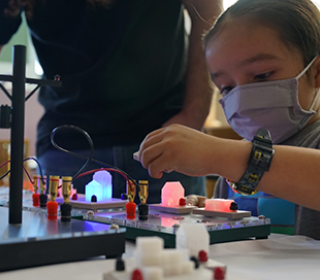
pixel 314 100
pixel 306 69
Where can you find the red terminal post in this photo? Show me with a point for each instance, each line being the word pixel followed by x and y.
pixel 52 210
pixel 131 210
pixel 36 199
pixel 182 202
pixel 203 256
pixel 137 275
pixel 218 274
pixel 36 195
pixel 52 205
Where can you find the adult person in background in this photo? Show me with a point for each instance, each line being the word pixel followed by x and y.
pixel 127 68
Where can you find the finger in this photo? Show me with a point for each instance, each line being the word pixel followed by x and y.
pixel 149 141
pixel 159 165
pixel 148 155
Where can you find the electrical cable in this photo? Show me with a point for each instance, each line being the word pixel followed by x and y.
pixel 39 166
pixel 90 158
pixel 25 170
pixel 107 169
pixel 86 135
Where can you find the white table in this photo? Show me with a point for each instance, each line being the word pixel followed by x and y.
pixel 280 257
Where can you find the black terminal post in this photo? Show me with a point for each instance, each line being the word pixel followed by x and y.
pixel 143 207
pixel 18 80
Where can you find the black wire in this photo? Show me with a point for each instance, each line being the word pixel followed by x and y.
pixel 83 132
pixel 90 158
pixel 4 175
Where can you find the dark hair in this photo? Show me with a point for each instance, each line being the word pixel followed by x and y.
pixel 296 21
pixel 14 6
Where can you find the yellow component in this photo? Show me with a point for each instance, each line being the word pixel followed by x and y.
pixel 253 178
pixel 53 187
pixel 143 193
pixel 35 183
pixel 257 155
pixel 66 188
pixel 43 185
pixel 131 190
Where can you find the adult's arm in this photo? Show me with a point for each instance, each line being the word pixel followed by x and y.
pixel 294 174
pixel 199 88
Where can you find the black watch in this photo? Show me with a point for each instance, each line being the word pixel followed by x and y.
pixel 259 162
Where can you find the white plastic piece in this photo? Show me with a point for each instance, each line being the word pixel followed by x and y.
pixel 156 262
pixel 147 260
pixel 171 257
pixel 136 156
pixel 115 275
pixel 171 194
pixel 152 273
pixel 217 204
pixel 149 245
pixel 193 237
pixel 188 267
pixel 212 264
pixel 100 186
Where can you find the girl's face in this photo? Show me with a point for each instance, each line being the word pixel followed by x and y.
pixel 244 52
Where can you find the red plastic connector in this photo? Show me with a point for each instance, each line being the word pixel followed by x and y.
pixel 203 256
pixel 131 210
pixel 182 202
pixel 36 199
pixel 218 273
pixel 74 196
pixel 137 275
pixel 52 210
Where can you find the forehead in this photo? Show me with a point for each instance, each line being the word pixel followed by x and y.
pixel 239 39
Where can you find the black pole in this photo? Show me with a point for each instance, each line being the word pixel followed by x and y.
pixel 17 134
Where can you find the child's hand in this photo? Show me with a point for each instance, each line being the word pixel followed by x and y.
pixel 177 148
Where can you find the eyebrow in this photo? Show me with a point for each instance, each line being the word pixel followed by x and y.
pixel 257 58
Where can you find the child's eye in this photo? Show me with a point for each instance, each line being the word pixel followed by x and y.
pixel 262 77
pixel 225 90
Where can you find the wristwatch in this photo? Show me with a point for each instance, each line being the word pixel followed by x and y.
pixel 259 162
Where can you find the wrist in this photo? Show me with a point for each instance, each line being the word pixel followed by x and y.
pixel 233 158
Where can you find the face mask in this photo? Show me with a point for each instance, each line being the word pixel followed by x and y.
pixel 271 105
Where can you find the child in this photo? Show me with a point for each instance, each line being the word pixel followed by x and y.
pixel 263 55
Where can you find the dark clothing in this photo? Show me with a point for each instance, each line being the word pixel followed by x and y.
pixel 122 67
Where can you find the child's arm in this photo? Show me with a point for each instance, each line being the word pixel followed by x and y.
pixel 294 173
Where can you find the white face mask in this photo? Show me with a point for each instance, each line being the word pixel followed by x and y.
pixel 270 105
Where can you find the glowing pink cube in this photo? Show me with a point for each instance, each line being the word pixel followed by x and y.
pixel 171 194
pixel 220 205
